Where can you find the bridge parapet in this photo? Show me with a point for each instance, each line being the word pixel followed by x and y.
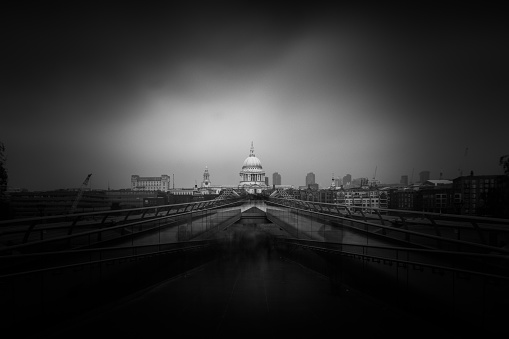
pixel 87 259
pixel 426 264
pixel 471 279
pixel 426 229
pixel 80 230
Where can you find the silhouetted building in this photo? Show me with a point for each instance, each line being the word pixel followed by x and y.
pixel 360 197
pixel 347 180
pixel 486 195
pixel 436 196
pixel 423 176
pixel 483 195
pixel 276 178
pixel 404 180
pixel 359 182
pixel 313 186
pixel 127 198
pixel 310 179
pixel 403 199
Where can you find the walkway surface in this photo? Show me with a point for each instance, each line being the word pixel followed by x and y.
pixel 250 293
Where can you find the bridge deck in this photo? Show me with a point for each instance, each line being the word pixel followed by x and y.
pixel 253 292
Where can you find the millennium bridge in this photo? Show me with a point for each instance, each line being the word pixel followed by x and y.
pixel 251 265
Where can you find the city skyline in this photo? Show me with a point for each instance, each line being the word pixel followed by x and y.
pixel 169 90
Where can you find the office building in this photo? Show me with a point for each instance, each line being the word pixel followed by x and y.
pixel 310 179
pixel 347 180
pixel 276 178
pixel 423 176
pixel 404 180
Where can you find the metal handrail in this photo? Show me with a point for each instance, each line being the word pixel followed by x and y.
pixel 66 217
pixel 457 217
pixel 319 246
pixel 40 224
pixel 188 245
pixel 293 205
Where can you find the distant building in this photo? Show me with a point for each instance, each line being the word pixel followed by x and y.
pixel 310 179
pixel 276 179
pixel 206 187
pixel 127 198
pixel 347 180
pixel 333 183
pixel 482 195
pixel 252 175
pixel 423 176
pixel 373 182
pixel 267 181
pixel 185 195
pixel 403 199
pixel 206 178
pixel 404 180
pixel 435 183
pixel 359 182
pixel 311 186
pixel 161 183
pixel 364 198
pixel 435 196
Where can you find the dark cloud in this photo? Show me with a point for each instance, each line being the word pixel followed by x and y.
pixel 98 71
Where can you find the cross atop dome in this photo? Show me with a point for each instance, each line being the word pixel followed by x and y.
pixel 251 153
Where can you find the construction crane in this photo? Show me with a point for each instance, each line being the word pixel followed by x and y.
pixel 80 194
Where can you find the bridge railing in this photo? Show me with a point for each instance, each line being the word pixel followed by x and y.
pixel 85 260
pixel 46 289
pixel 452 267
pixel 455 289
pixel 432 230
pixel 74 231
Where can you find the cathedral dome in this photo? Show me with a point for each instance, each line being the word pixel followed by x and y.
pixel 252 175
pixel 252 163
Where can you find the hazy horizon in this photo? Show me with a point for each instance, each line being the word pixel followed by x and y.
pixel 147 90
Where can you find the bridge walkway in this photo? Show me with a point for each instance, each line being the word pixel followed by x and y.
pixel 247 292
pixel 241 285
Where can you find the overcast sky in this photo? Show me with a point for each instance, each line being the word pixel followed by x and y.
pixel 169 90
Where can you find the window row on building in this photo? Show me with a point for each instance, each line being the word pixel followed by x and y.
pixel 161 183
pixel 486 195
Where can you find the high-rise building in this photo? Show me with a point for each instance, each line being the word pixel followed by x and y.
pixel 347 180
pixel 424 176
pixel 404 180
pixel 276 179
pixel 310 179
